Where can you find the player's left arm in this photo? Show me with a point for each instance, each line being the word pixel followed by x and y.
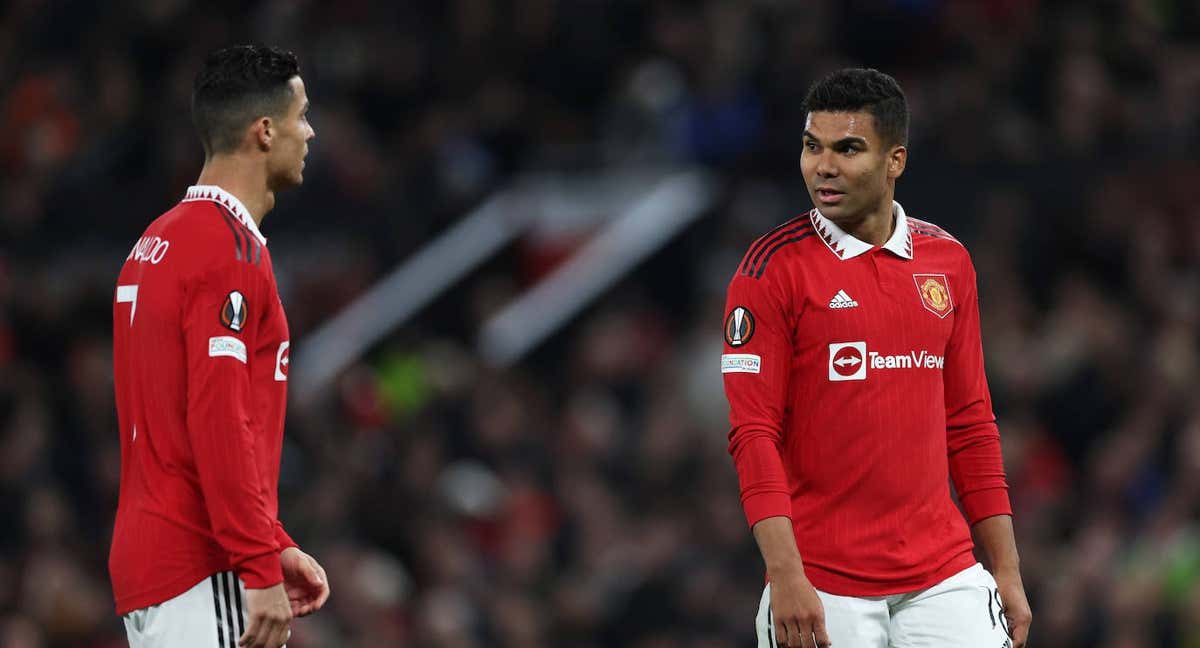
pixel 976 465
pixel 304 580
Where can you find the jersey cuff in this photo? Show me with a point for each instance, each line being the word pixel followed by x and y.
pixel 761 506
pixel 283 538
pixel 261 571
pixel 985 503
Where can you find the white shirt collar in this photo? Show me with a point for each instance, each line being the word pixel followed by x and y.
pixel 846 246
pixel 218 195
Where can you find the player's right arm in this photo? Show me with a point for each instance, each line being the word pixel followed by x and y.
pixel 223 307
pixel 796 611
pixel 756 367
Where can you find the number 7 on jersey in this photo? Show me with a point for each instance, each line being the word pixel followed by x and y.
pixel 128 294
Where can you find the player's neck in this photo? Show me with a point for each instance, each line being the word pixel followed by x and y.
pixel 875 227
pixel 246 181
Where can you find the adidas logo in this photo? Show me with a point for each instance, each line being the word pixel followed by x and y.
pixel 842 300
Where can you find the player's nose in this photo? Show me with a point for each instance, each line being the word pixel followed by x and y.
pixel 826 167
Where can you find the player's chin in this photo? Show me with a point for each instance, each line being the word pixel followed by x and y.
pixel 827 210
pixel 291 180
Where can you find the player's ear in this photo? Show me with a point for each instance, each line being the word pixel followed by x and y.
pixel 263 131
pixel 897 159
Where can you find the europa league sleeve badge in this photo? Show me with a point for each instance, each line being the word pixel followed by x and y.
pixel 739 327
pixel 233 311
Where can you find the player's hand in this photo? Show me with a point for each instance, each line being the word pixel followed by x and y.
pixel 304 580
pixel 270 618
pixel 798 614
pixel 1015 605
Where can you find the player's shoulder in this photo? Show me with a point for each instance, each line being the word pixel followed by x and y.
pixel 924 228
pixel 777 248
pixel 196 237
pixel 216 233
pixel 927 234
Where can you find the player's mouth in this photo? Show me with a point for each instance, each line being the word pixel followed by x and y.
pixel 829 196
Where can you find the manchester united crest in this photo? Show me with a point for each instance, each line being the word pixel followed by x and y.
pixel 935 293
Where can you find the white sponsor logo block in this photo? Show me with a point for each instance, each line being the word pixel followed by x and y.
pixel 740 363
pixel 282 359
pixel 847 361
pixel 228 346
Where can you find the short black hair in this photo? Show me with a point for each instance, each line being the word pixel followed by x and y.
pixel 869 90
pixel 236 86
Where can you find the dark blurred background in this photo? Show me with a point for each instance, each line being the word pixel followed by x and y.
pixel 581 495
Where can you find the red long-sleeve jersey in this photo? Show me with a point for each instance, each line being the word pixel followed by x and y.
pixel 856 385
pixel 200 362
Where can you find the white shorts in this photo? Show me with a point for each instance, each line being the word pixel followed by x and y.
pixel 963 610
pixel 212 614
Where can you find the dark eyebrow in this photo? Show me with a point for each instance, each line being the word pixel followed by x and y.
pixel 845 141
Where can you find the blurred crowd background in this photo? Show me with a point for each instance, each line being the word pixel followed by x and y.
pixel 584 497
